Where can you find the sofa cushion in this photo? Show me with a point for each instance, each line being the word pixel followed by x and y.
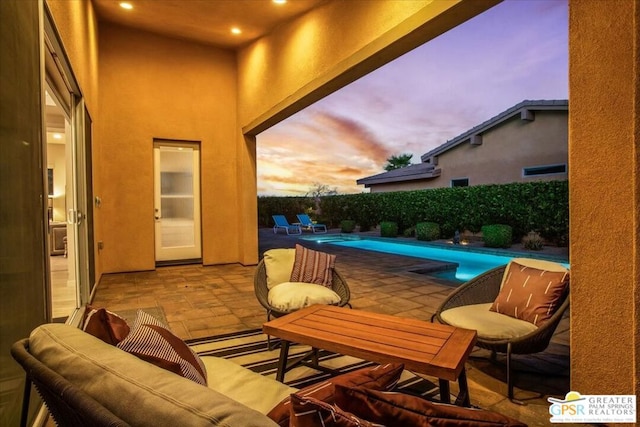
pixel 531 293
pixel 313 267
pixel 136 391
pixel 103 324
pixel 397 409
pixel 291 296
pixel 377 377
pixel 278 264
pixel 152 341
pixel 309 412
pixel 243 385
pixel 489 324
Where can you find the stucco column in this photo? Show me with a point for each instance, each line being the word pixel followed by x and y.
pixel 604 195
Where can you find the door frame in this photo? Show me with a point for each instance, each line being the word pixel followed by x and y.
pixel 168 259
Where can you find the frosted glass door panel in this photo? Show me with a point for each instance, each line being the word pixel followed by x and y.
pixel 177 202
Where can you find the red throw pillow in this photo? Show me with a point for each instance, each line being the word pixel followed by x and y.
pixel 310 412
pixel 103 324
pixel 151 340
pixel 397 409
pixel 529 293
pixel 378 377
pixel 313 267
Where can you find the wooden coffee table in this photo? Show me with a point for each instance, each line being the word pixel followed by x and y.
pixel 426 348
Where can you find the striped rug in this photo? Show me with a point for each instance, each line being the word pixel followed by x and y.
pixel 249 349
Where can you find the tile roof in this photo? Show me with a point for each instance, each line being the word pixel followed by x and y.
pixel 428 170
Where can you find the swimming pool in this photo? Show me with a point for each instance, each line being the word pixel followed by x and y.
pixel 471 263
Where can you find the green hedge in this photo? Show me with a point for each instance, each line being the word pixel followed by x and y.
pixel 538 206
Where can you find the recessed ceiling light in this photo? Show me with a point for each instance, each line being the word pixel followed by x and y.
pixel 126 5
pixel 279 1
pixel 236 30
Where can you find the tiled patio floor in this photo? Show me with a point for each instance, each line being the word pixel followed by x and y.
pixel 201 301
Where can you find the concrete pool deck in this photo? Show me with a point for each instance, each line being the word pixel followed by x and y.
pixel 200 301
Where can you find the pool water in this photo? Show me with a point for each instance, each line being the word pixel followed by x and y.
pixel 470 263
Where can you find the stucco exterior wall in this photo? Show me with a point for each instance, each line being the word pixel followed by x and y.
pixel 506 150
pixel 604 194
pixel 156 87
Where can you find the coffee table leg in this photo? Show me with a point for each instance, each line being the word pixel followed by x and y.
pixel 282 361
pixel 445 395
pixel 463 397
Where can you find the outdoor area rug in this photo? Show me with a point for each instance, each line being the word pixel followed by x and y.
pixel 249 349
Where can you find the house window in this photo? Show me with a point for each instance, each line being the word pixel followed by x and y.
pixel 545 170
pixel 460 182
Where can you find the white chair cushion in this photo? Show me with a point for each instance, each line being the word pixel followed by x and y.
pixel 279 264
pixel 243 385
pixel 290 296
pixel 489 324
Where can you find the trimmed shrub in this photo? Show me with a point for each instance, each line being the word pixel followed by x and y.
pixel 427 231
pixel 388 229
pixel 497 235
pixel 347 226
pixel 533 241
pixel 409 232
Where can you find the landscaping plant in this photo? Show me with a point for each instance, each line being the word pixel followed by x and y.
pixel 388 229
pixel 533 241
pixel 427 231
pixel 497 235
pixel 347 226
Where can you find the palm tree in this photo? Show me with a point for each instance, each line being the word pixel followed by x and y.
pixel 397 162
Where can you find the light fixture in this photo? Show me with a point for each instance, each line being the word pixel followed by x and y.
pixel 279 1
pixel 236 30
pixel 126 5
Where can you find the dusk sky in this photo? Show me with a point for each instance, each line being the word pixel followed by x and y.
pixel 516 50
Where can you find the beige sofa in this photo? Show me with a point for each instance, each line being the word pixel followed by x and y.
pixel 142 394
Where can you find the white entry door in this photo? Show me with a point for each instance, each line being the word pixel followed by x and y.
pixel 177 201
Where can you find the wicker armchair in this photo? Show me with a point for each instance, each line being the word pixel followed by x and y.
pixel 67 403
pixel 484 289
pixel 339 286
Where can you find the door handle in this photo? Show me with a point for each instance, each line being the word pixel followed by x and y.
pixel 74 217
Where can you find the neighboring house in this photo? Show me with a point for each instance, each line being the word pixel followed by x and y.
pixel 527 142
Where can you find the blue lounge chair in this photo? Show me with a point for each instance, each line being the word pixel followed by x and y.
pixel 306 222
pixel 281 222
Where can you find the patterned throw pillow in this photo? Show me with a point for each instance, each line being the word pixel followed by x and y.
pixel 151 340
pixel 398 409
pixel 103 324
pixel 310 412
pixel 530 293
pixel 378 377
pixel 313 267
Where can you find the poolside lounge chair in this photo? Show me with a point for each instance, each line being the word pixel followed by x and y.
pixel 468 307
pixel 306 222
pixel 281 222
